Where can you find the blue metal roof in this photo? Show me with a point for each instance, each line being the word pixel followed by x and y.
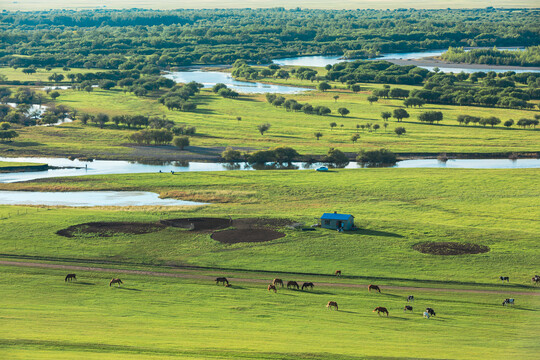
pixel 332 216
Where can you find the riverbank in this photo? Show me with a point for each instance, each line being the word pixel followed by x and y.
pixel 10 167
pixel 438 62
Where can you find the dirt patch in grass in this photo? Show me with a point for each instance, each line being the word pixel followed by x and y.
pixel 107 229
pixel 450 248
pixel 198 224
pixel 246 235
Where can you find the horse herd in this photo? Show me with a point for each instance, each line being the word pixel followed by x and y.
pixel 331 304
pixel 273 286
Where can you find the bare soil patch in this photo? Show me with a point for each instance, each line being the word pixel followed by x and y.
pixel 449 248
pixel 107 229
pixel 246 235
pixel 198 224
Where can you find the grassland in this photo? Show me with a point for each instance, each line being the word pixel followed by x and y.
pixel 41 74
pixel 26 5
pixel 192 319
pixel 395 208
pixel 9 164
pixel 217 127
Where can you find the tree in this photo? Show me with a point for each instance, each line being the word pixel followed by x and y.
pixel 8 135
pixel 5 126
pixel 285 155
pixel 231 155
pixel 377 157
pixel 263 128
pixel 336 97
pixel 354 138
pixel 386 115
pixel 385 126
pixel 355 88
pixel 413 101
pixel 431 116
pixel 372 99
pixel 318 135
pixel 323 86
pixel 29 70
pixel 101 119
pixel 400 131
pixel 56 77
pixel 181 142
pixel 107 84
pixel 336 157
pixel 343 111
pixel 509 123
pixel 376 127
pixel 239 118
pixel 54 95
pixel 332 125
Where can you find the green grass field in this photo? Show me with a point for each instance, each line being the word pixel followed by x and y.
pixel 395 209
pixel 41 74
pixel 159 318
pixel 215 120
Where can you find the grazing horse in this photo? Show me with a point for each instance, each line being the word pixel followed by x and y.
pixel 222 280
pixel 426 314
pixel 307 285
pixel 430 311
pixel 380 309
pixel 503 278
pixel 292 284
pixel 272 287
pixel 410 298
pixel 374 287
pixel 277 282
pixel 115 281
pixel 70 277
pixel 332 304
pixel 508 302
pixel 338 273
pixel 536 279
pixel 407 307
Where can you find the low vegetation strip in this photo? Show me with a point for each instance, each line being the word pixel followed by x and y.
pixel 192 274
pixel 8 166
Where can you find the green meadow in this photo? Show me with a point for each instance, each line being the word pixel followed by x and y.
pixel 218 127
pixel 394 209
pixel 153 317
pixel 41 74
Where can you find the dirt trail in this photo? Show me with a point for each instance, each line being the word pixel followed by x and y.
pixel 192 274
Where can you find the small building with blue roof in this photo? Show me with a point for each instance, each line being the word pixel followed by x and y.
pixel 337 221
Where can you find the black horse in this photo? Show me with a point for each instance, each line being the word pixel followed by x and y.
pixel 430 311
pixel 70 277
pixel 222 280
pixel 307 285
pixel 293 284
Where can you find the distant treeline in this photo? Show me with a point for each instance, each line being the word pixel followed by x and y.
pixel 132 39
pixel 528 57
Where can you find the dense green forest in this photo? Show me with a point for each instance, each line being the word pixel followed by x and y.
pixel 146 39
pixel 529 57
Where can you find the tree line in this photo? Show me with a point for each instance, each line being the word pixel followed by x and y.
pixel 129 39
pixel 493 56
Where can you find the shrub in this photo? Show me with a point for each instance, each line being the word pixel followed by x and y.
pixel 231 155
pixel 377 157
pixel 181 142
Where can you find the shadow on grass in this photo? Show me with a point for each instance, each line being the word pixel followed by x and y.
pixel 369 232
pixel 128 289
pixel 84 283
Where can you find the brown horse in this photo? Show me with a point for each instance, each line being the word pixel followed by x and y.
pixel 380 309
pixel 338 273
pixel 272 287
pixel 307 285
pixel 374 287
pixel 115 281
pixel 332 304
pixel 222 280
pixel 277 282
pixel 292 284
pixel 407 307
pixel 70 277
